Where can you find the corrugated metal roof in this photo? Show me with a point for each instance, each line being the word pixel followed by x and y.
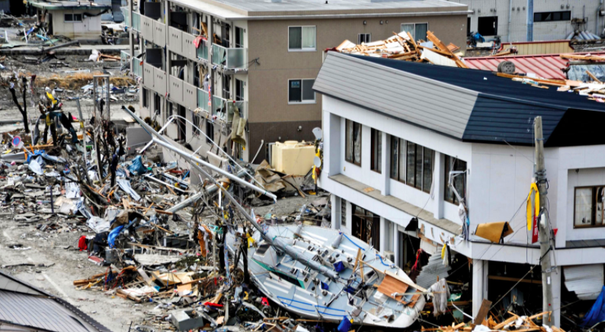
pixel 409 97
pixel 24 305
pixel 584 280
pixel 429 96
pixel 543 65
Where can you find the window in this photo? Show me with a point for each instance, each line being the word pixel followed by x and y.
pixel 209 132
pixel 239 37
pixel 488 26
pixel 552 16
pixel 353 142
pixel 301 91
pixel 239 90
pixel 417 30
pixel 301 38
pixel 196 123
pixel 455 164
pixel 412 164
pixel 376 164
pixel 364 38
pixel 73 18
pixel 145 98
pixel 366 226
pixel 588 206
pixel 419 167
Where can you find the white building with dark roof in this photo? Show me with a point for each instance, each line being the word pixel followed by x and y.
pixel 396 131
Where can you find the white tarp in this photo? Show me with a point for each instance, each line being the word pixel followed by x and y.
pixel 584 280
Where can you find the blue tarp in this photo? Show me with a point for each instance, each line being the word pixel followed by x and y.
pixel 597 312
pixel 339 266
pixel 111 239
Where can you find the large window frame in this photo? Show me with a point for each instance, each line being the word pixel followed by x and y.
pixel 376 147
pixel 460 182
pixel 353 143
pixel 365 226
pixel 364 38
pixel 409 164
pixel 594 204
pixel 555 16
pixel 304 85
pixel 414 31
pixel 304 31
pixel 73 18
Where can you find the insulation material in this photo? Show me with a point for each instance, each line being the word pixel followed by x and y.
pixel 584 280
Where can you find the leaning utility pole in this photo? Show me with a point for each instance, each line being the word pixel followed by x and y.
pixel 544 228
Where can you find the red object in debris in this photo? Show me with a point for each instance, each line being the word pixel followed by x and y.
pixel 265 301
pixel 214 305
pixel 555 230
pixel 82 243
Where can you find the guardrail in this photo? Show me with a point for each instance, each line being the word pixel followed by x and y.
pixel 229 57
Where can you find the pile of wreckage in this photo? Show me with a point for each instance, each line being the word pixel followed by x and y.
pixel 402 46
pixel 513 323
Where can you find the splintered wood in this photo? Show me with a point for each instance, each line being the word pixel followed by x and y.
pixel 401 46
pixel 513 323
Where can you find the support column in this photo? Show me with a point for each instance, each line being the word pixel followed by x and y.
pixel 396 254
pixel 439 181
pixel 386 160
pixel 349 218
pixel 336 213
pixel 383 235
pixel 480 271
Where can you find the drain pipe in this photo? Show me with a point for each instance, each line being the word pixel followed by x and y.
pixel 596 24
pixel 530 20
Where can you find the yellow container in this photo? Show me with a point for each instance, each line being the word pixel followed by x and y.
pixel 292 157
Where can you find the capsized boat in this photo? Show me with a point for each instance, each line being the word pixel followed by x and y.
pixel 349 279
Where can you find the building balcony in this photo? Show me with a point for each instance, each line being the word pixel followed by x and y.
pixel 136 19
pixel 137 68
pixel 230 58
pixel 202 99
pixel 203 50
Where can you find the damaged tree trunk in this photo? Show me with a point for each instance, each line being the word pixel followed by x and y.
pixel 21 109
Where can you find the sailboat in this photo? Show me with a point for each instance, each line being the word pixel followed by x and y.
pixel 356 283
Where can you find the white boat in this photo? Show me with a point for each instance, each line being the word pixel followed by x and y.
pixel 354 281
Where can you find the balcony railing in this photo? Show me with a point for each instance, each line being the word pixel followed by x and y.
pixel 126 15
pixel 137 68
pixel 124 58
pixel 136 22
pixel 219 107
pixel 202 99
pixel 202 51
pixel 231 58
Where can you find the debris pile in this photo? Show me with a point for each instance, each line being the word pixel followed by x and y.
pixel 402 46
pixel 513 323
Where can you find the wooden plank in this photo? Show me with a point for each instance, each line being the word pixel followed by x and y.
pixel 594 78
pixel 439 44
pixel 537 282
pixel 483 310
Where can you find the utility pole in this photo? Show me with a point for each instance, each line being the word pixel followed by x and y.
pixel 544 229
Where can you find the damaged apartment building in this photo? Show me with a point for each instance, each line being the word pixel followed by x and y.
pixel 406 143
pixel 198 59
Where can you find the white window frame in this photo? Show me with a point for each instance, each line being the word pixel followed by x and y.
pixel 414 24
pixel 301 32
pixel 359 34
pixel 73 18
pixel 314 101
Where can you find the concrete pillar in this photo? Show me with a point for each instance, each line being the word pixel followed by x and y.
pixel 386 160
pixel 349 218
pixel 336 213
pixel 438 185
pixel 480 270
pixel 383 235
pixel 396 254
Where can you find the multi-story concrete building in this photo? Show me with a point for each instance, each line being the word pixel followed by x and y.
pixel 264 55
pixel 396 135
pixel 553 19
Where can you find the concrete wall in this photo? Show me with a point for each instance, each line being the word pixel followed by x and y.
pixel 89 28
pixel 542 30
pixel 268 81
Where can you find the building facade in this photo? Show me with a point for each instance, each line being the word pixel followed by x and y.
pixel 71 19
pixel 392 147
pixel 263 58
pixel 553 19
